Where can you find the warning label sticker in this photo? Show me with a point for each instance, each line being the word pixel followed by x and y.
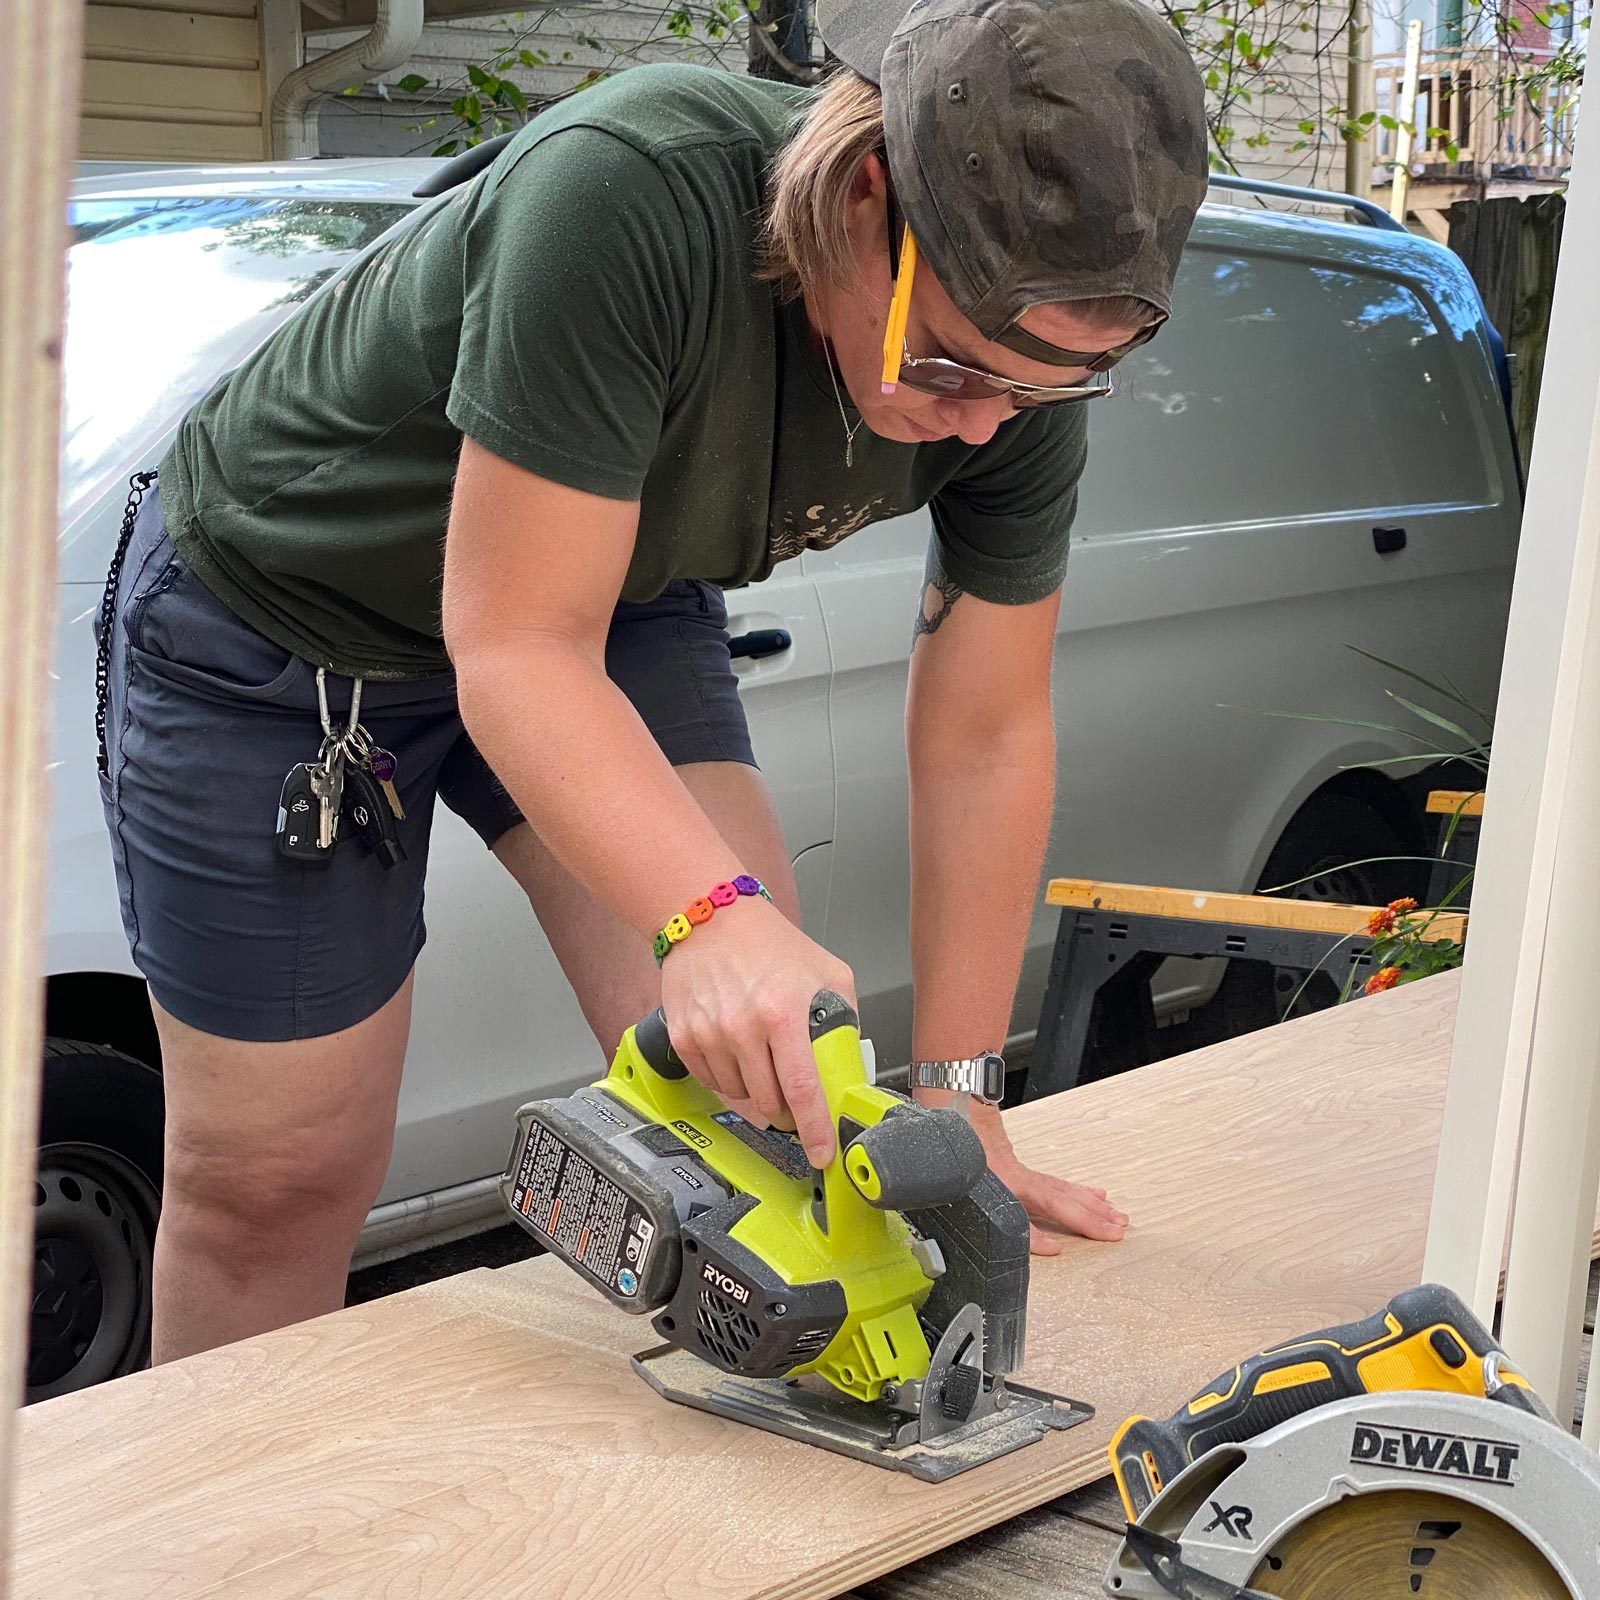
pixel 581 1214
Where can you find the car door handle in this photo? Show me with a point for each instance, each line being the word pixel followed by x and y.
pixel 762 642
pixel 1387 540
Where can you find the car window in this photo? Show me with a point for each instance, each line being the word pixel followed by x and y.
pixel 166 295
pixel 1284 389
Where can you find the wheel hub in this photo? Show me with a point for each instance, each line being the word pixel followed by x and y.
pixel 94 1217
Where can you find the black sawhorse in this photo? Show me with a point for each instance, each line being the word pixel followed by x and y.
pixel 1121 931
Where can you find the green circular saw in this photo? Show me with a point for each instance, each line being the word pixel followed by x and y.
pixel 1394 1458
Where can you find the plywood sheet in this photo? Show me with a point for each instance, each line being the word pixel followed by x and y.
pixel 482 1436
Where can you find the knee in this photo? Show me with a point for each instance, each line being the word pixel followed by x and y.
pixel 271 1202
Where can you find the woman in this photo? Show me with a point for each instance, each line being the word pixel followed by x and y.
pixel 685 326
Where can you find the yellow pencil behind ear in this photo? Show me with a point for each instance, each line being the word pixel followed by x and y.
pixel 894 335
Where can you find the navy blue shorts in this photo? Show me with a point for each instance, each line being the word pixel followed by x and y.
pixel 205 717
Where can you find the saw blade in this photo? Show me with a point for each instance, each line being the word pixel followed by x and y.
pixel 1407 1545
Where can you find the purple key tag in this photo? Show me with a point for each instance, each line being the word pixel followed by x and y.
pixel 382 765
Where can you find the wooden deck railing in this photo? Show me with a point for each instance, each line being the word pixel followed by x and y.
pixel 1457 92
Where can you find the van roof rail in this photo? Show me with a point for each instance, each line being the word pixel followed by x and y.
pixel 1368 210
pixel 457 170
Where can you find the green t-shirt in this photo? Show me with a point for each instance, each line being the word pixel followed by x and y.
pixel 587 309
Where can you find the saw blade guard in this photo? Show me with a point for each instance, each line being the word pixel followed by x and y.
pixel 1240 1513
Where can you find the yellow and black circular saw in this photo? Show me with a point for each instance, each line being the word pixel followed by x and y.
pixel 1393 1458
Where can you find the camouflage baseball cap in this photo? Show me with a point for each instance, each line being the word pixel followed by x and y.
pixel 1041 150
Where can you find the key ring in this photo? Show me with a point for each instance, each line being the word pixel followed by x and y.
pixel 357 744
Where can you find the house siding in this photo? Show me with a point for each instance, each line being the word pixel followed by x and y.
pixel 173 80
pixel 625 34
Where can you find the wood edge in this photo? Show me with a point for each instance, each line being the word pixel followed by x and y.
pixel 1252 910
pixel 1446 802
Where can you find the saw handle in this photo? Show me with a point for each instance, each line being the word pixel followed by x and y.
pixel 1425 1338
pixel 915 1156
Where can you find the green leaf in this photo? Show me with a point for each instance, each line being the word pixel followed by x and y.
pixel 448 148
pixel 1213 79
pixel 478 77
pixel 508 94
pixel 1341 722
pixel 1367 118
pixel 412 83
pixel 1308 126
pixel 1390 123
pixel 533 58
pixel 1452 151
pixel 1445 691
pixel 1436 720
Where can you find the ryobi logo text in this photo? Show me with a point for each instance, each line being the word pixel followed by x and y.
pixel 693 1135
pixel 729 1286
pixel 1442 1455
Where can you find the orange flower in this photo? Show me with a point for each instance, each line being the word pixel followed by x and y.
pixel 1383 978
pixel 1381 921
pixel 1400 907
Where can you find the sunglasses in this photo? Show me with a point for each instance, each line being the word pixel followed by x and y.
pixel 955 380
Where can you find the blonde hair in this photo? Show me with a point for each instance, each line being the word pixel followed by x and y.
pixel 806 240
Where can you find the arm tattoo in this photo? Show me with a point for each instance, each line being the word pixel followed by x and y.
pixel 938 595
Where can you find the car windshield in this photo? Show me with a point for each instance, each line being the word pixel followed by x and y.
pixel 166 295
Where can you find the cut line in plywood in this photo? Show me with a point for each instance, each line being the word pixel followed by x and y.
pixel 483 1436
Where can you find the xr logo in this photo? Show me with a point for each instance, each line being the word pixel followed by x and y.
pixel 1235 1521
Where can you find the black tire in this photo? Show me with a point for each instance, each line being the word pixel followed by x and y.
pixel 1313 860
pixel 97 1198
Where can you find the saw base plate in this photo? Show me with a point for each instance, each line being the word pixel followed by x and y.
pixel 866 1431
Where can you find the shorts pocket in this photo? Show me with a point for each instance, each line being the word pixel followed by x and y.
pixel 178 631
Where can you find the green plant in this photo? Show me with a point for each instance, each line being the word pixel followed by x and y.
pixel 1406 942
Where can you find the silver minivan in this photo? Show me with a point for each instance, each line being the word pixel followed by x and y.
pixel 1314 454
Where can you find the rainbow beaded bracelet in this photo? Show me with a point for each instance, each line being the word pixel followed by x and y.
pixel 702 910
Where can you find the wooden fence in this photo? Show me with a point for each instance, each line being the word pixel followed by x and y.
pixel 1510 246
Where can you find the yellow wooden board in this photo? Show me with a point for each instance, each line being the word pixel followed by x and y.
pixel 1446 802
pixel 1247 910
pixel 483 1437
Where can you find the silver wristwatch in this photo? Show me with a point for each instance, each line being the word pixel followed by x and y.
pixel 983 1077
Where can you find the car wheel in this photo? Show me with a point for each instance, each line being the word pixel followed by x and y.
pixel 1315 858
pixel 96 1203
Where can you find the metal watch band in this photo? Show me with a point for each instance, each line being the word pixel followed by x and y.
pixel 983 1077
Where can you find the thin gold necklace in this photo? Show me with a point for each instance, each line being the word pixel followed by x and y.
pixel 849 432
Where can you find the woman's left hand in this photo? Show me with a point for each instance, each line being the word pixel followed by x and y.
pixel 1055 1206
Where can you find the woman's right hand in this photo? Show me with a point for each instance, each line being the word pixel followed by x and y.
pixel 737 995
